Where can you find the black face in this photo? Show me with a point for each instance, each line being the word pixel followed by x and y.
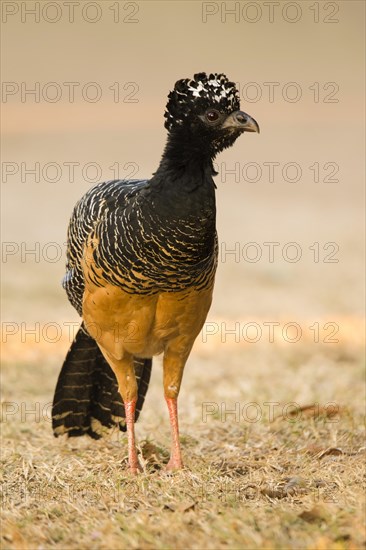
pixel 207 129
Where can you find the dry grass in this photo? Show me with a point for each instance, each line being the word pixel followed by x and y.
pixel 291 481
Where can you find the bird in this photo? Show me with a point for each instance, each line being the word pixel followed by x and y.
pixel 141 263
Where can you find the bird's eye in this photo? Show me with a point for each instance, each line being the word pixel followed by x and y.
pixel 212 115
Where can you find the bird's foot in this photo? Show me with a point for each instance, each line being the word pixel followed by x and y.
pixel 135 468
pixel 174 464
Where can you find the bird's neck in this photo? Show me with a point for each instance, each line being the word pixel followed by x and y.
pixel 182 192
pixel 186 166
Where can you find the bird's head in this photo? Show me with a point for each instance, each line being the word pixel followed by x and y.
pixel 205 112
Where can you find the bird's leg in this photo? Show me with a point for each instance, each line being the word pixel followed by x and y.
pixel 133 461
pixel 127 387
pixel 173 372
pixel 175 461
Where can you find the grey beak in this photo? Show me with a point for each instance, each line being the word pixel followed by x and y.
pixel 241 121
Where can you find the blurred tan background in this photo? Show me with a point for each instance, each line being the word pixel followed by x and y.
pixel 168 41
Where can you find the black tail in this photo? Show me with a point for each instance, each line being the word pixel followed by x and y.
pixel 86 396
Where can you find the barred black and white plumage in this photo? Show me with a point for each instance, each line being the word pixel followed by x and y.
pixel 141 263
pixel 123 217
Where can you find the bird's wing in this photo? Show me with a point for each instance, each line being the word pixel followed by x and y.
pixel 86 216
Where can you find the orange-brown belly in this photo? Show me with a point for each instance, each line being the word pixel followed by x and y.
pixel 144 326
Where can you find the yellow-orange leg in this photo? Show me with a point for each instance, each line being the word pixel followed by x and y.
pixel 175 462
pixel 173 366
pixel 133 461
pixel 127 387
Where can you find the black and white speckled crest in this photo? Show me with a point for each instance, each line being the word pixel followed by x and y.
pixel 195 96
